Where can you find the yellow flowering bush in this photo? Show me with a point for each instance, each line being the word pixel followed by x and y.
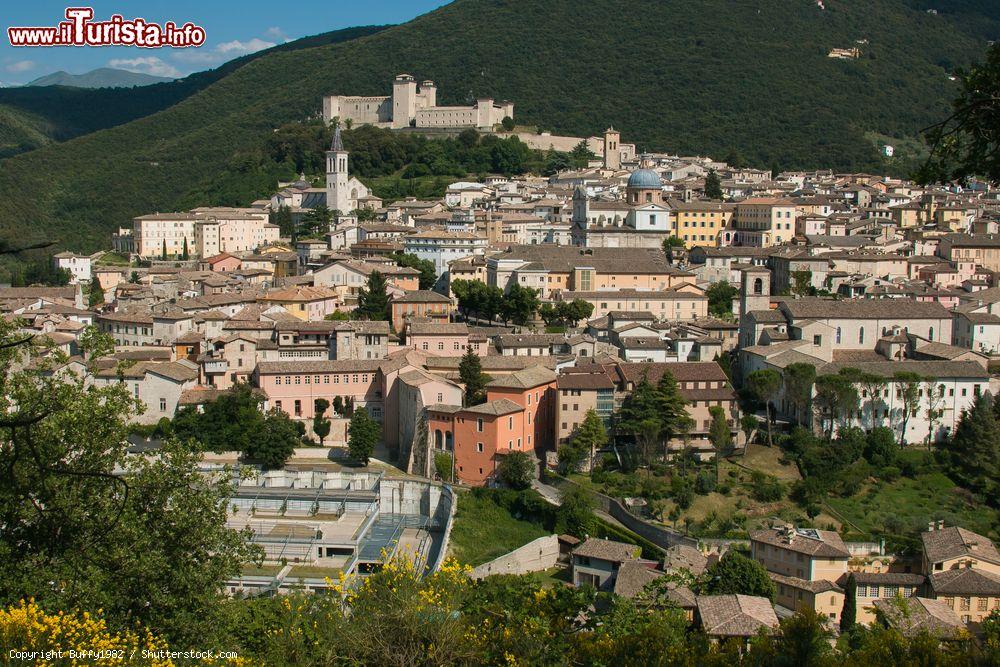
pixel 30 635
pixel 59 638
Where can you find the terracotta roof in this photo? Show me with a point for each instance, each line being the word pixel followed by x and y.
pixel 885 578
pixel 965 581
pixel 820 543
pixel 421 296
pixel 683 556
pixel 426 328
pixel 736 615
pixel 683 371
pixel 813 585
pixel 632 578
pixel 914 615
pixel 595 547
pixel 584 381
pixel 824 309
pixel 497 408
pixel 342 366
pixel 524 379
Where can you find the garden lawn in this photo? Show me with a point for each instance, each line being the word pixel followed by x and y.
pixel 483 530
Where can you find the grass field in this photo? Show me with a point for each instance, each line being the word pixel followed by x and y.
pixel 906 506
pixel 483 531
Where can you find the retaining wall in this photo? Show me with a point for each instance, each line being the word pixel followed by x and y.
pixel 535 556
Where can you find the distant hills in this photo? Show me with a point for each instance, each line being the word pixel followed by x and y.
pixel 720 77
pixel 103 77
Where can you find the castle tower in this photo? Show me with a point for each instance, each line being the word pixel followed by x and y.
pixel 429 92
pixel 404 100
pixel 337 198
pixel 612 149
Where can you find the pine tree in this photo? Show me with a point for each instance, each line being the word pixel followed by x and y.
pixel 373 301
pixel 163 255
pixel 764 386
pixel 713 186
pixel 362 435
pixel 184 253
pixel 590 436
pixel 974 454
pixel 470 373
pixel 848 617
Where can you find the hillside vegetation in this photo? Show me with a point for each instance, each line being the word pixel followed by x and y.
pixel 711 76
pixel 59 112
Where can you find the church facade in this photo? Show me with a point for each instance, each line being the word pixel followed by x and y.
pixel 643 220
pixel 343 191
pixel 410 106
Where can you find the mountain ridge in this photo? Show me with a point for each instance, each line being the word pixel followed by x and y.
pixel 728 76
pixel 102 77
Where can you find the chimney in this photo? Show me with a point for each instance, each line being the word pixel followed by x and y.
pixel 941 524
pixel 930 527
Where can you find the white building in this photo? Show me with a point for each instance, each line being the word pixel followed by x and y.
pixel 80 267
pixel 443 247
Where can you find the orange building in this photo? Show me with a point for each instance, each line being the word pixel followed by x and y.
pixel 419 304
pixel 517 416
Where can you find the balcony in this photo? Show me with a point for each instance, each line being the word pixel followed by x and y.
pixel 216 366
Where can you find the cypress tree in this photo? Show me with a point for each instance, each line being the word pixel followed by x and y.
pixel 848 617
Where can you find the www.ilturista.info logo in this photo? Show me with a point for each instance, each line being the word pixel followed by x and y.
pixel 81 30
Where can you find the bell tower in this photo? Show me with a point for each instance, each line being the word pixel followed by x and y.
pixel 337 198
pixel 612 150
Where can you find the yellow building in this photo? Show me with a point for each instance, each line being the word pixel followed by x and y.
pixel 699 223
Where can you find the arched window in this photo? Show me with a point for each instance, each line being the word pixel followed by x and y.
pixel 861 336
pixel 438 439
pixel 758 286
pixel 838 335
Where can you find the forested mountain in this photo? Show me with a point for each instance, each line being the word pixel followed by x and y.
pixel 102 77
pixel 35 116
pixel 691 76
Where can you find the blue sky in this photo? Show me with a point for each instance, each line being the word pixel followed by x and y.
pixel 233 28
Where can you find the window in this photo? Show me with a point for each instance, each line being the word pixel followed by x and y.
pixel 862 591
pixel 479 424
pixel 965 604
pixel 838 335
pixel 817 340
pixel 861 336
pixel 479 447
pixel 163 405
pixel 510 422
pixel 981 604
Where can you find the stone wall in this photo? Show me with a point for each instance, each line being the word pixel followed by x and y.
pixel 661 536
pixel 535 556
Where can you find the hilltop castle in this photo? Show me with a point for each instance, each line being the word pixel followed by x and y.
pixel 409 106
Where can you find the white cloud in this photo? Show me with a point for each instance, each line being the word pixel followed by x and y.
pixel 220 53
pixel 277 34
pixel 147 65
pixel 238 48
pixel 21 66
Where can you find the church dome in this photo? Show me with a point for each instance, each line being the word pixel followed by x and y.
pixel 645 178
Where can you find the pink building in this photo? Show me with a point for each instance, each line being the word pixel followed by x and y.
pixel 294 386
pixel 443 339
